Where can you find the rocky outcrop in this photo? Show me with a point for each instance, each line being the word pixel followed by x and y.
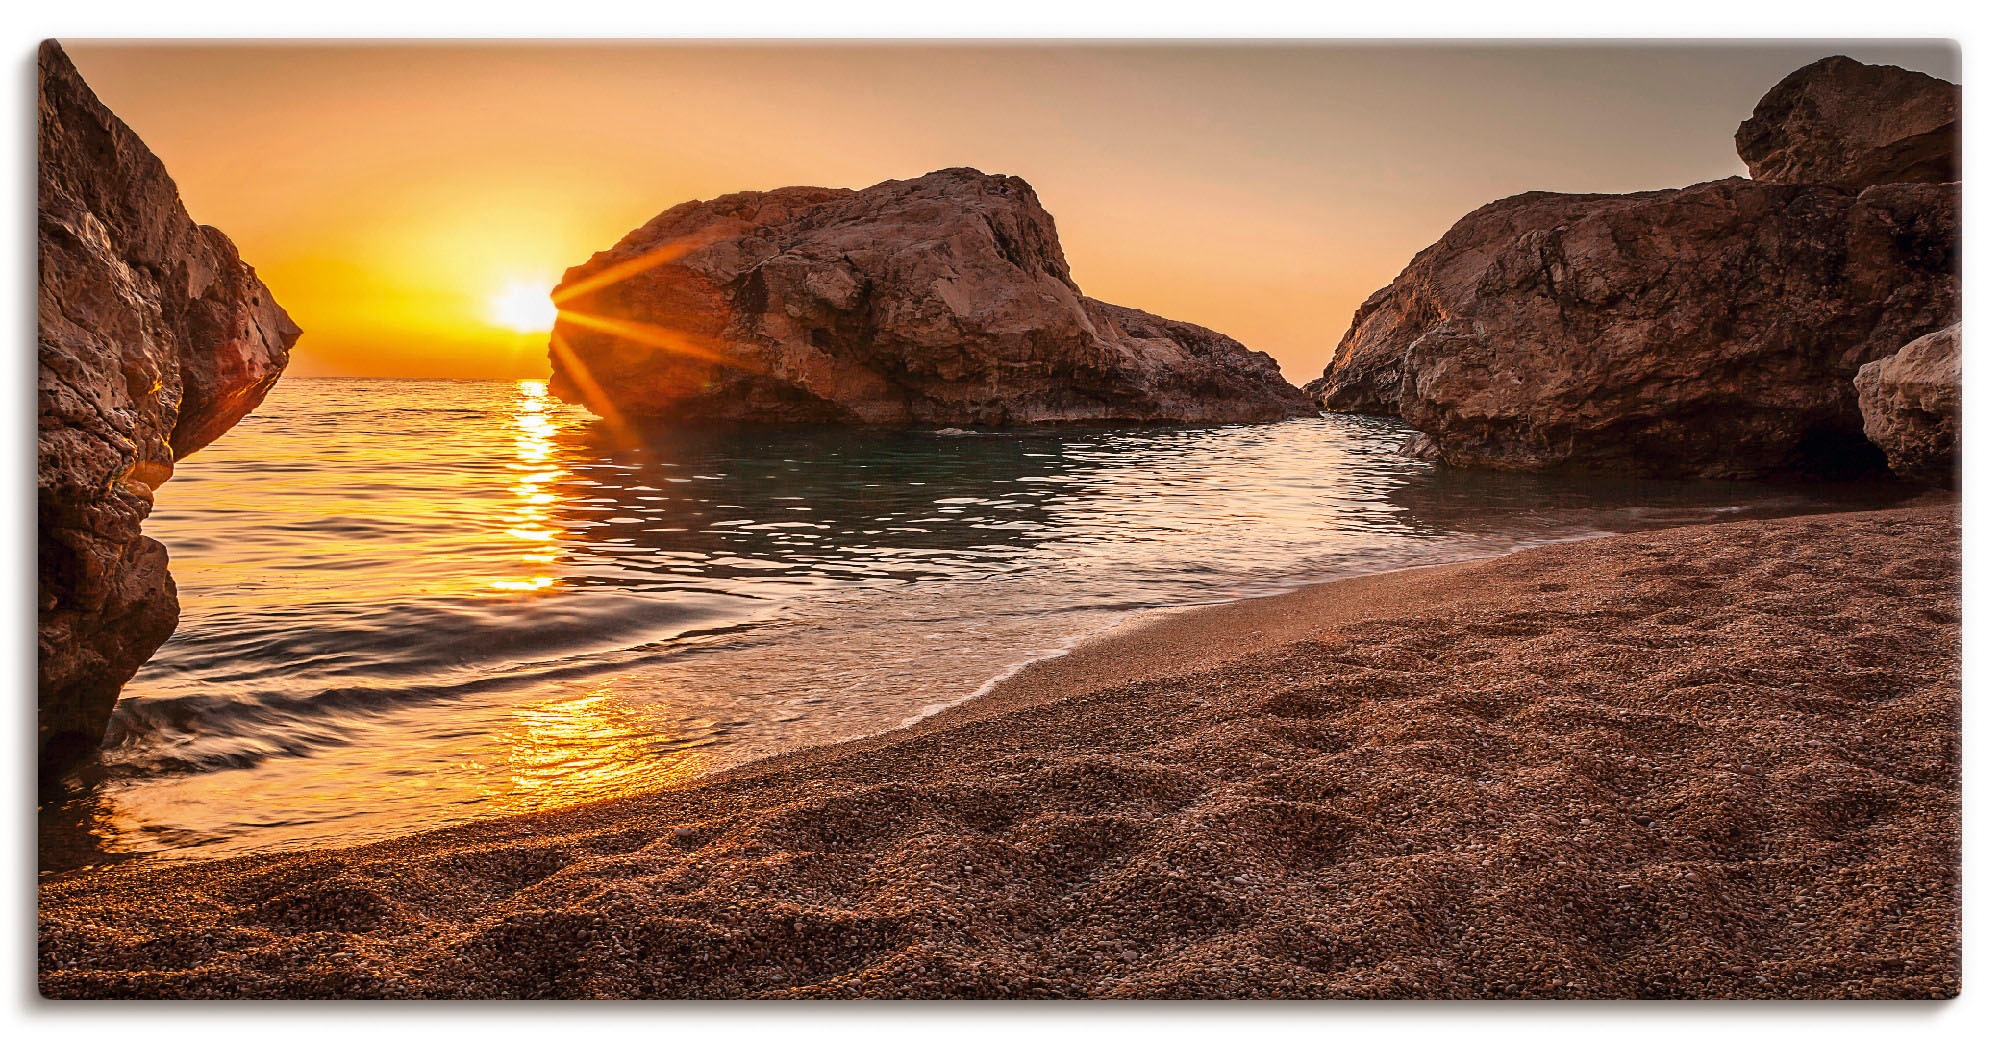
pixel 1837 121
pixel 943 300
pixel 154 339
pixel 1910 407
pixel 1710 331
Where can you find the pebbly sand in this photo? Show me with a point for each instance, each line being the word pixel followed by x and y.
pixel 1710 762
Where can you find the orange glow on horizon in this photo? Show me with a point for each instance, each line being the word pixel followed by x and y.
pixel 391 193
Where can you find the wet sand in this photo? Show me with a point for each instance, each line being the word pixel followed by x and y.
pixel 1711 762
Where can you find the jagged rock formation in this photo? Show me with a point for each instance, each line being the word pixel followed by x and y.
pixel 1910 407
pixel 1837 121
pixel 942 300
pixel 1709 331
pixel 154 339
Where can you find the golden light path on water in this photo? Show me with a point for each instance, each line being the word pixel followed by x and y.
pixel 530 520
pixel 583 745
pixel 572 748
pixel 563 742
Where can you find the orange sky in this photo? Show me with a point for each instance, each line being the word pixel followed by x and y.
pixel 388 192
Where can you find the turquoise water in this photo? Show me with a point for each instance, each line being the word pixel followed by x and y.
pixel 412 603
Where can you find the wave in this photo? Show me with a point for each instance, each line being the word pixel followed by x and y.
pixel 418 655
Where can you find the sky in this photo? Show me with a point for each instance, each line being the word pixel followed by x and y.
pixel 401 200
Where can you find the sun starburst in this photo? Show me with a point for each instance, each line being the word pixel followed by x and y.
pixel 522 306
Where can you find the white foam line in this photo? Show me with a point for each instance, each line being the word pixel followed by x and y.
pixel 1069 645
pixel 1150 612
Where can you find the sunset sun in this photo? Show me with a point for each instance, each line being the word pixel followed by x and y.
pixel 522 306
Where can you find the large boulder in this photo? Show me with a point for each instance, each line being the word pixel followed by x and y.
pixel 154 339
pixel 1910 407
pixel 1709 331
pixel 1837 121
pixel 942 300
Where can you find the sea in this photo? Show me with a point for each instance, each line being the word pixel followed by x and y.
pixel 407 604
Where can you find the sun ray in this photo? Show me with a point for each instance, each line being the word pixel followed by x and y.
pixel 651 335
pixel 617 272
pixel 565 361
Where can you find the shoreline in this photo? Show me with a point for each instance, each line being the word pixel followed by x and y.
pixel 934 718
pixel 936 715
pixel 1133 626
pixel 1331 733
pixel 1111 641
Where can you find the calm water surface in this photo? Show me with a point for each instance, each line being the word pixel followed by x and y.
pixel 411 603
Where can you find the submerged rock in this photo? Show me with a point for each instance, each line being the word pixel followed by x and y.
pixel 1710 331
pixel 943 300
pixel 1837 121
pixel 154 339
pixel 1910 407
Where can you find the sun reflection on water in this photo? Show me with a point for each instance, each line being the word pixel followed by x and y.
pixel 575 749
pixel 535 470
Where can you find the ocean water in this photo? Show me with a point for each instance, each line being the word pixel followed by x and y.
pixel 413 603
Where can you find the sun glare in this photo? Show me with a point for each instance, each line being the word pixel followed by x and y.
pixel 522 306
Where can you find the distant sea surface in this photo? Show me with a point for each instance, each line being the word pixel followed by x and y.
pixel 412 603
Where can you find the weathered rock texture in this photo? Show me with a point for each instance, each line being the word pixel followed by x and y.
pixel 1837 121
pixel 1910 407
pixel 1710 331
pixel 154 339
pixel 939 300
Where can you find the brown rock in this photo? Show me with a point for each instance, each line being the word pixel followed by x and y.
pixel 1711 331
pixel 1837 121
pixel 154 338
pixel 1910 407
pixel 941 300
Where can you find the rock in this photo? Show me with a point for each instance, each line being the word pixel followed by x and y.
pixel 154 339
pixel 943 300
pixel 1710 331
pixel 1837 121
pixel 1910 407
pixel 1419 446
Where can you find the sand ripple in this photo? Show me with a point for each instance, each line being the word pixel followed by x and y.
pixel 1717 761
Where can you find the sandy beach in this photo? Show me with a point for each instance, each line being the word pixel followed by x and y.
pixel 1717 761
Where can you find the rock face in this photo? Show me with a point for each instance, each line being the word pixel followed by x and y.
pixel 1910 407
pixel 154 339
pixel 1711 331
pixel 943 300
pixel 1837 121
